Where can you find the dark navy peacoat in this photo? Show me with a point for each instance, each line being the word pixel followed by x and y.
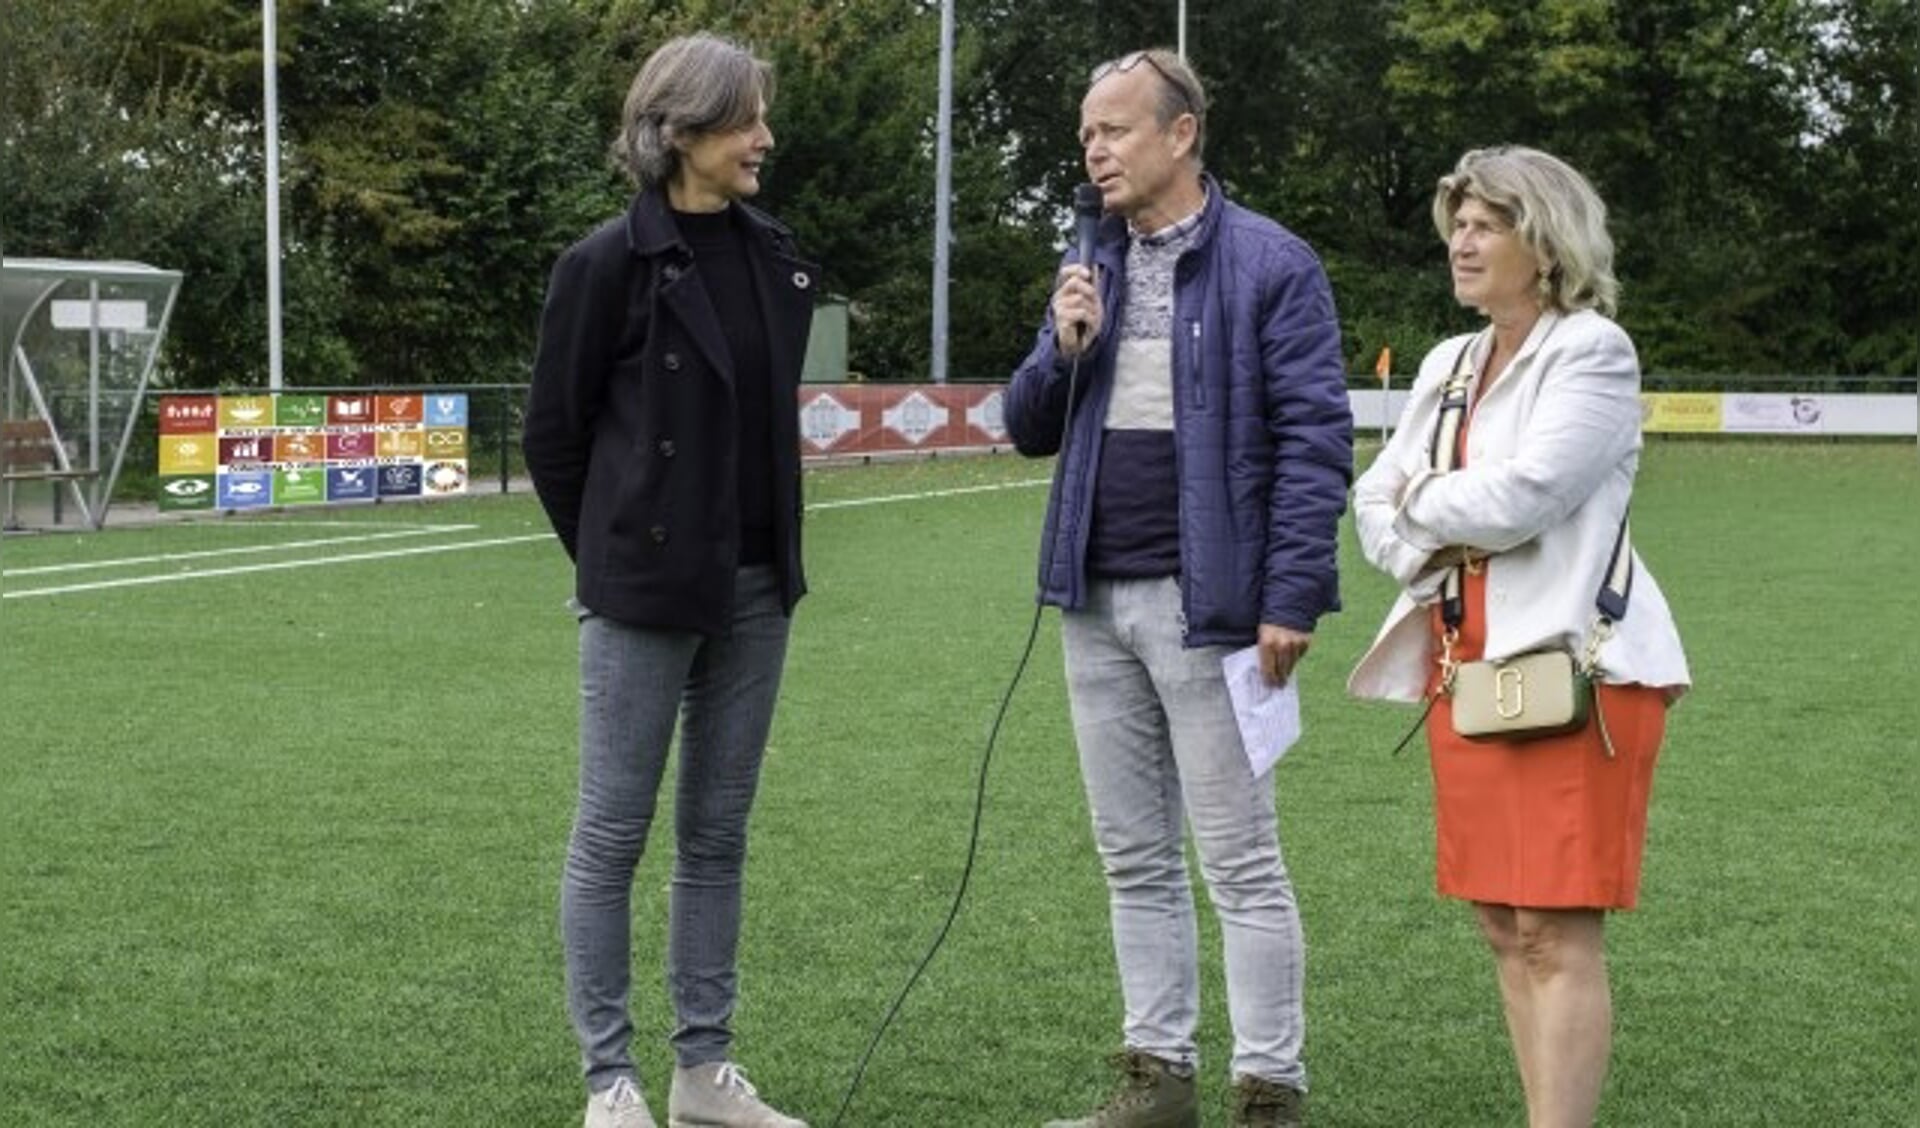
pixel 630 428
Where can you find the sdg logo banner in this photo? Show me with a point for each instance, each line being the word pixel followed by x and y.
pixel 400 444
pixel 250 450
pixel 245 489
pixel 300 446
pixel 447 478
pixel 447 442
pixel 186 492
pixel 245 413
pixel 299 485
pixel 447 410
pixel 189 454
pixel 350 483
pixel 259 450
pixel 349 445
pixel 401 480
pixel 345 411
pixel 398 410
pixel 301 411
pixel 189 415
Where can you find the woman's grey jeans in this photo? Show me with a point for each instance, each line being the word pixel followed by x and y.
pixel 634 683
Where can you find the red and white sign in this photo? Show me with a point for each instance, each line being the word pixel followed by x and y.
pixel 855 419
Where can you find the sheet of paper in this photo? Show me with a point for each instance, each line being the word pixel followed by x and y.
pixel 1269 716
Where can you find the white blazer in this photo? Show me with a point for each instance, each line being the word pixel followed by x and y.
pixel 1551 455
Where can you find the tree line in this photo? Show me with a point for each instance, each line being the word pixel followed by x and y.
pixel 1761 160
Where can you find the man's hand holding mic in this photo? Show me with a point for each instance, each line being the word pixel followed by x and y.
pixel 1077 314
pixel 1076 311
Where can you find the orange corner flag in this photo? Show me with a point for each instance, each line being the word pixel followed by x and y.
pixel 1383 366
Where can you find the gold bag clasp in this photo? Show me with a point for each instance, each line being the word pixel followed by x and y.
pixel 1510 692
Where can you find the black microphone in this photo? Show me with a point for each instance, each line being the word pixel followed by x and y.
pixel 1086 220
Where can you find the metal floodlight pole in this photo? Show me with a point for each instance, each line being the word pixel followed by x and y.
pixel 269 42
pixel 942 195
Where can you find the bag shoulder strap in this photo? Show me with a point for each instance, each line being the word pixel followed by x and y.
pixel 1616 583
pixel 1443 454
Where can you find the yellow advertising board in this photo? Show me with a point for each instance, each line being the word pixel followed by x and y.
pixel 1680 411
pixel 446 442
pixel 188 454
pixel 400 444
pixel 242 413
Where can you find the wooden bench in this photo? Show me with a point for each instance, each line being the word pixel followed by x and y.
pixel 29 453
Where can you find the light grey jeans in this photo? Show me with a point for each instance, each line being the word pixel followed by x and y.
pixel 1159 751
pixel 634 682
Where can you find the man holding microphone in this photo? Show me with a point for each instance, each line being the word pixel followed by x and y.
pixel 1194 511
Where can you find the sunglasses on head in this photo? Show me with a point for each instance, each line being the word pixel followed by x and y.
pixel 1127 62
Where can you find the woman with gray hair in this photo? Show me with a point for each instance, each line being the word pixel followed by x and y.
pixel 663 440
pixel 1500 507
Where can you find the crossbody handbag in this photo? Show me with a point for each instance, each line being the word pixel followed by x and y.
pixel 1541 692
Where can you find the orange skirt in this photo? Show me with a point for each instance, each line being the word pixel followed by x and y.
pixel 1551 823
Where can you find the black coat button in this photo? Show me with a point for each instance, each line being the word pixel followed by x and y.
pixel 658 533
pixel 671 361
pixel 666 448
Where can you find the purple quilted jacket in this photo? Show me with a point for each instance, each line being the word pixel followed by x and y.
pixel 1262 427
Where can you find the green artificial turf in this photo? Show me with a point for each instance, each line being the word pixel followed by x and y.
pixel 282 846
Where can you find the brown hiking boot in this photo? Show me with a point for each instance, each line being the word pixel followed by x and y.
pixel 1260 1103
pixel 1150 1094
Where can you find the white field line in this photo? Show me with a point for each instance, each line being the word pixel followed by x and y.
pixel 170 557
pixel 275 566
pixel 354 557
pixel 239 521
pixel 887 499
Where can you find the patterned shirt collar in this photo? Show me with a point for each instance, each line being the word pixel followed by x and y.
pixel 1172 232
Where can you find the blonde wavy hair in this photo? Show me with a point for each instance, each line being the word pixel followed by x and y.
pixel 1553 209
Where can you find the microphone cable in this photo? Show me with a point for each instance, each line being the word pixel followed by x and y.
pixel 979 791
